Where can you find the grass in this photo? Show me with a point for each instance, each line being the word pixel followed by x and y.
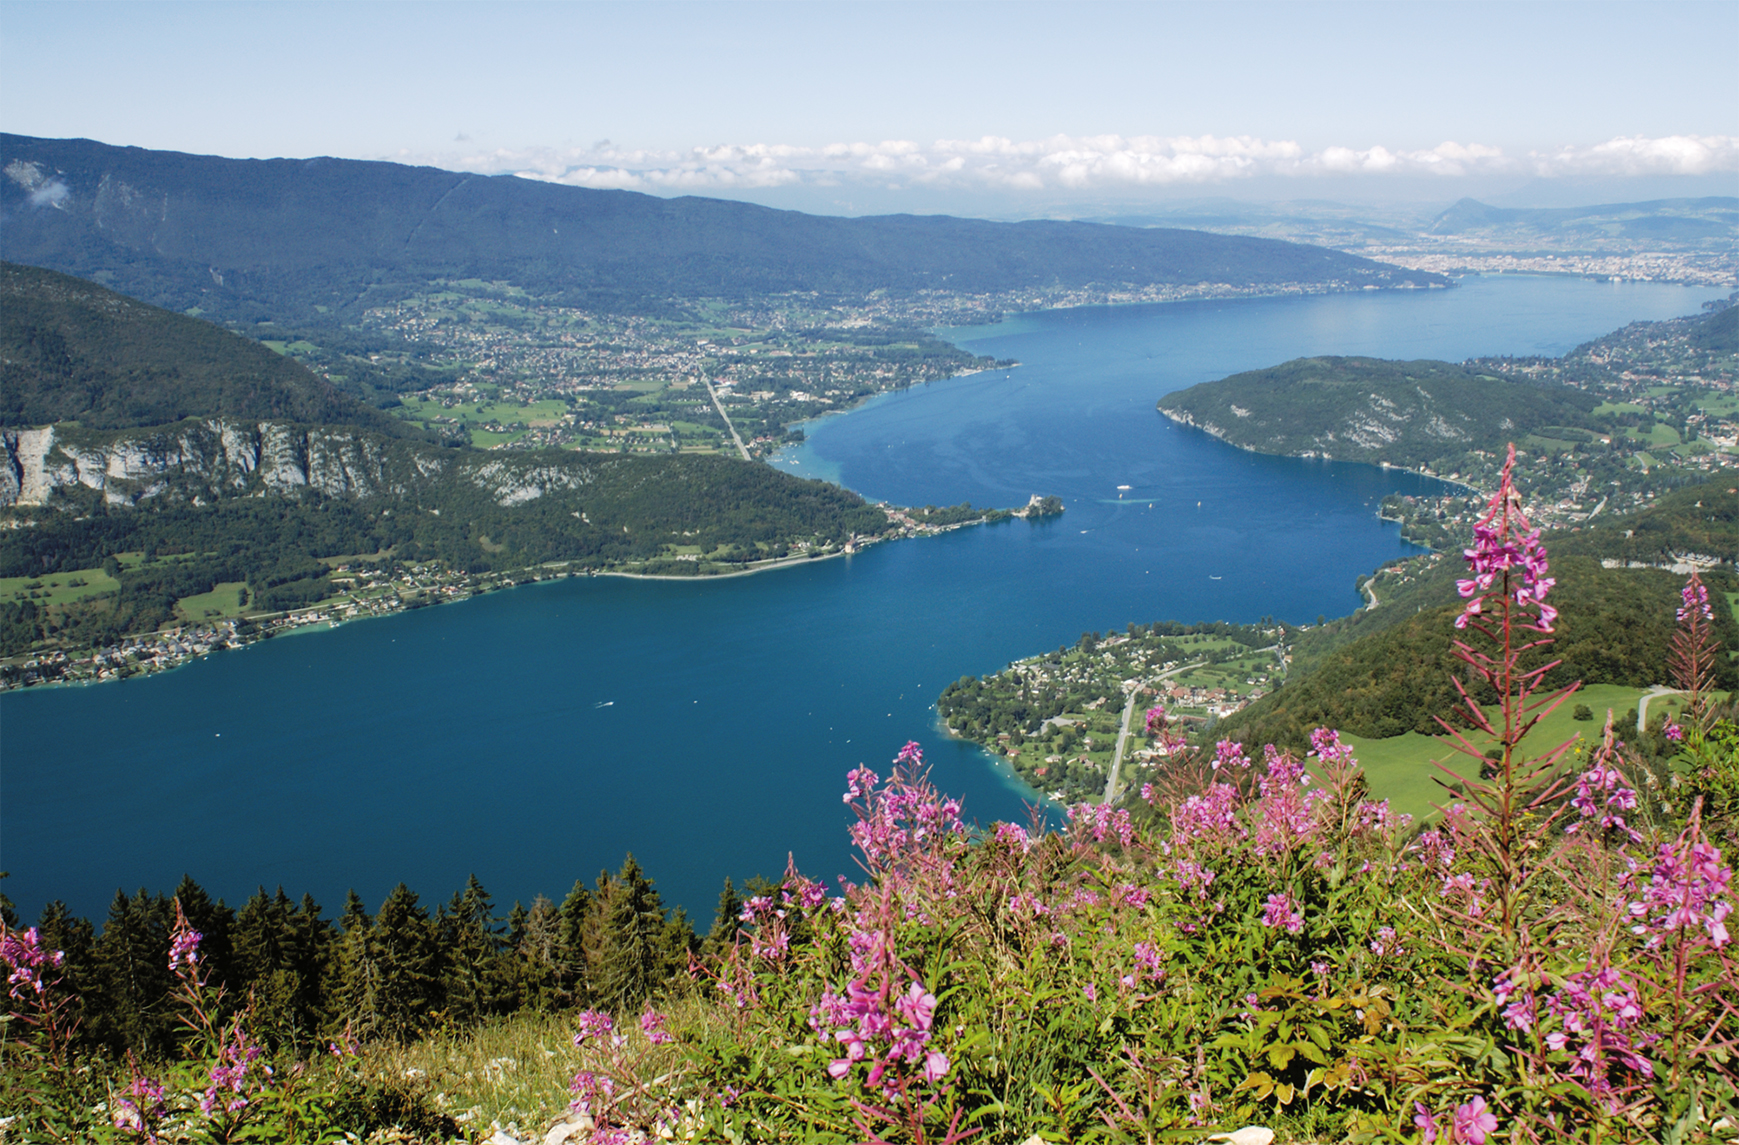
pixel 223 602
pixel 514 1072
pixel 1618 407
pixel 57 588
pixel 546 412
pixel 1658 434
pixel 1399 767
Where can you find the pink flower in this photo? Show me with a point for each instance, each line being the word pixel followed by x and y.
pixel 184 947
pixel 1282 911
pixel 1675 733
pixel 652 1024
pixel 25 960
pixel 1425 1123
pixel 593 1023
pixel 1473 1121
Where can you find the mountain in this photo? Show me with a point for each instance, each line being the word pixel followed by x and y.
pixel 1371 409
pixel 132 431
pixel 295 240
pixel 1714 219
pixel 72 351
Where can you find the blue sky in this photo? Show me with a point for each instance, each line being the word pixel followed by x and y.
pixel 973 108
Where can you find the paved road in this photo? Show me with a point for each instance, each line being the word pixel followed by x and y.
pixel 1128 713
pixel 1642 702
pixel 720 406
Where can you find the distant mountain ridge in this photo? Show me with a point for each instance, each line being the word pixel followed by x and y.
pixel 1713 217
pixel 295 239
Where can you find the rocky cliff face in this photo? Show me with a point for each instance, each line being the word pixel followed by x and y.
pixel 200 460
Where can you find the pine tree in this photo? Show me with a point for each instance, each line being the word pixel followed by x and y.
pixel 537 956
pixel 573 978
pixel 727 920
pixel 312 952
pixel 74 937
pixel 132 957
pixel 470 949
pixel 213 921
pixel 355 977
pixel 628 955
pixel 402 947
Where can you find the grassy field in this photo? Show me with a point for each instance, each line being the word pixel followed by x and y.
pixel 223 602
pixel 424 409
pixel 73 584
pixel 1658 435
pixel 57 588
pixel 1399 768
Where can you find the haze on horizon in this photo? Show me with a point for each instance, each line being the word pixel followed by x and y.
pixel 1004 110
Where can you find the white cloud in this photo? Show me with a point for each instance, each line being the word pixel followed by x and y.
pixel 1078 163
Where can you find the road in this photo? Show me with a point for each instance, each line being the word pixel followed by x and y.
pixel 1128 713
pixel 1653 693
pixel 720 406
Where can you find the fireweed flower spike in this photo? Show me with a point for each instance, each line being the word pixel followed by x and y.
pixel 1506 557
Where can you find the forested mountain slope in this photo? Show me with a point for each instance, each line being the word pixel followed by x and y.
pixel 298 239
pixel 1371 409
pixel 73 351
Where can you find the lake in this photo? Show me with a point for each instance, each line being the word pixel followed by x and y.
pixel 533 737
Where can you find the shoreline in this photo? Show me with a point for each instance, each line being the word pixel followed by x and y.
pixel 326 617
pixel 1184 419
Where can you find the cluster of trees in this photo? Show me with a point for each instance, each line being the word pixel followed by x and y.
pixel 400 972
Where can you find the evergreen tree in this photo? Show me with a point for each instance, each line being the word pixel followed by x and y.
pixel 75 937
pixel 132 957
pixel 537 960
pixel 573 979
pixel 628 954
pixel 727 920
pixel 470 949
pixel 355 977
pixel 213 921
pixel 401 946
pixel 311 952
pixel 273 961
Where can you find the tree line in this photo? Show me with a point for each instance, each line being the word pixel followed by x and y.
pixel 399 973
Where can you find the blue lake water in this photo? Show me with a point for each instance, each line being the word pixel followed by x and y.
pixel 534 736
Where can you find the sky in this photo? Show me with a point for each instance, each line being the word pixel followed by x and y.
pixel 1006 110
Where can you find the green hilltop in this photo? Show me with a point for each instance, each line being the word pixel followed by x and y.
pixel 1369 409
pixel 1381 672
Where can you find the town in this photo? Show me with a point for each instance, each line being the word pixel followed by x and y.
pixel 1071 722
